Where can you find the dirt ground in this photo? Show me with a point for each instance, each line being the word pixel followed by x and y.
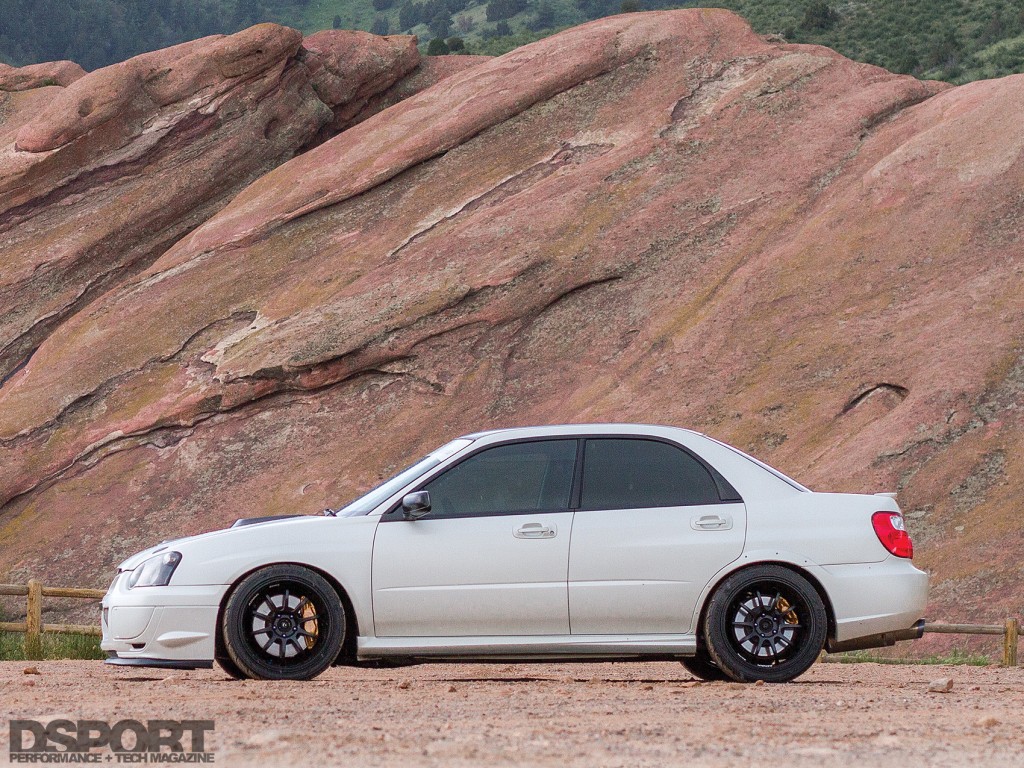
pixel 553 715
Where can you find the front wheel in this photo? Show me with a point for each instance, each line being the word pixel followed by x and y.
pixel 701 667
pixel 284 622
pixel 765 623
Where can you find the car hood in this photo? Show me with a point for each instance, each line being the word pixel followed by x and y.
pixel 185 543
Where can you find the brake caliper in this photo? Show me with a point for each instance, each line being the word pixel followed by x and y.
pixel 783 607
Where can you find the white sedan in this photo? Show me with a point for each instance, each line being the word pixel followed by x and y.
pixel 580 542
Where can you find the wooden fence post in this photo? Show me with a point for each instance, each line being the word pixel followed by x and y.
pixel 34 621
pixel 1010 643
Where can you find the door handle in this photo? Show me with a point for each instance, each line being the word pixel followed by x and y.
pixel 534 531
pixel 711 523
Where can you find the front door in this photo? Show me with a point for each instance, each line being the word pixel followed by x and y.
pixel 491 556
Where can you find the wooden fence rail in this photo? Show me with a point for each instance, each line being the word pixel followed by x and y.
pixel 1009 630
pixel 33 626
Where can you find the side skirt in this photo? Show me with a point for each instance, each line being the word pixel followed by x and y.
pixel 534 648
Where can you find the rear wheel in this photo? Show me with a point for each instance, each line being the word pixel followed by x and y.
pixel 284 622
pixel 765 623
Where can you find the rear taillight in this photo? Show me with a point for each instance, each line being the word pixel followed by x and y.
pixel 893 533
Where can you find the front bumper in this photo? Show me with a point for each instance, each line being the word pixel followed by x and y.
pixel 147 626
pixel 117 661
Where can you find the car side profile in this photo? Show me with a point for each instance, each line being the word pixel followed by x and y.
pixel 575 542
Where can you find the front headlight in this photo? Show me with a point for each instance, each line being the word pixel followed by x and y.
pixel 154 572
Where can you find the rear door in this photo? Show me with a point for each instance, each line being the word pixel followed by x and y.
pixel 491 556
pixel 654 525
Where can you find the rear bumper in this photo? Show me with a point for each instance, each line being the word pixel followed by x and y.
pixel 874 598
pixel 157 626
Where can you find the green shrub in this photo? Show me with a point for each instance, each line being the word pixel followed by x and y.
pixel 956 656
pixel 819 16
pixel 437 47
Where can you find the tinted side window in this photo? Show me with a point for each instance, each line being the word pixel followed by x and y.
pixel 625 474
pixel 521 477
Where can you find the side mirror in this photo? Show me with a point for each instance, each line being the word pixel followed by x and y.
pixel 416 505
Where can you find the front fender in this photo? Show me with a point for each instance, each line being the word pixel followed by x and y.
pixel 341 548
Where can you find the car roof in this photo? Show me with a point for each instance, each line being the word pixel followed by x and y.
pixel 607 428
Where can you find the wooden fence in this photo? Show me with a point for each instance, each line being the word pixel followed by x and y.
pixel 33 626
pixel 1010 631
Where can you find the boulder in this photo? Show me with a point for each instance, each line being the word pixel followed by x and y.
pixel 62 73
pixel 352 67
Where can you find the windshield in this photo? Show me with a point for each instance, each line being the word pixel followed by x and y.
pixel 373 498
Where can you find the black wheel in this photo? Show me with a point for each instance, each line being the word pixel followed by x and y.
pixel 284 622
pixel 765 623
pixel 701 667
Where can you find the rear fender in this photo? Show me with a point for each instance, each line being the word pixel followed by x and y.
pixel 797 562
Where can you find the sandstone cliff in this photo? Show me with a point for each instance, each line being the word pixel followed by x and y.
pixel 654 217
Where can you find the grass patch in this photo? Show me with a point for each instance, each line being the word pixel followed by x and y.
pixel 956 656
pixel 55 646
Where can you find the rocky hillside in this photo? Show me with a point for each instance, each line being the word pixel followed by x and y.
pixel 231 287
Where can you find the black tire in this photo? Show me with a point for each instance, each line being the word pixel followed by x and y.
pixel 701 667
pixel 283 622
pixel 765 623
pixel 230 668
pixel 220 655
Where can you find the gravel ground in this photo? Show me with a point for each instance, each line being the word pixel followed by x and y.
pixel 553 715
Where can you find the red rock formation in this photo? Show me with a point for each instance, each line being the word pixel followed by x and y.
pixel 353 67
pixel 98 178
pixel 654 217
pixel 61 73
pixel 431 71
